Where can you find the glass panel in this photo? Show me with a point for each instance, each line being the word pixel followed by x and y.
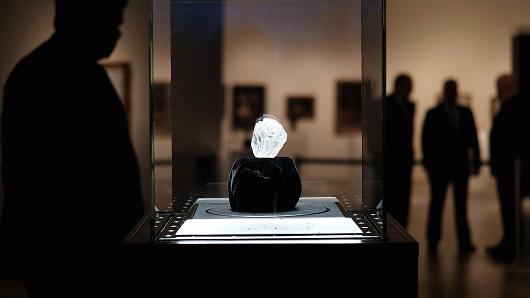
pixel 373 49
pixel 161 104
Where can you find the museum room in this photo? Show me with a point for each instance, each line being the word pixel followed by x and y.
pixel 364 147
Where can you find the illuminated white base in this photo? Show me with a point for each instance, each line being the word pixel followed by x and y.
pixel 269 226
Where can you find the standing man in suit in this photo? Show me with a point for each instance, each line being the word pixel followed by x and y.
pixel 507 147
pixel 450 155
pixel 503 153
pixel 399 155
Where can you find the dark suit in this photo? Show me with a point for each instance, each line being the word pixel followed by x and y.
pixel 399 157
pixel 507 146
pixel 450 152
pixel 70 173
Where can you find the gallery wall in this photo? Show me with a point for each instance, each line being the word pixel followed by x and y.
pixel 303 54
pixel 26 24
pixel 432 40
pixel 463 39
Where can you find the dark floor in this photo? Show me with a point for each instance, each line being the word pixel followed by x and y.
pixel 447 275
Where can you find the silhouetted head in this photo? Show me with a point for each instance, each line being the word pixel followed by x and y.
pixel 450 91
pixel 403 86
pixel 505 87
pixel 93 26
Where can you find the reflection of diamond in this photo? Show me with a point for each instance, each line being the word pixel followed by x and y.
pixel 268 137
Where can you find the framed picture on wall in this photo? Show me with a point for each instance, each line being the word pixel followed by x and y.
pixel 161 112
pixel 465 99
pixel 249 104
pixel 120 76
pixel 349 107
pixel 299 107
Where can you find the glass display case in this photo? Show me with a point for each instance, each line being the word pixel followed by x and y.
pixel 317 66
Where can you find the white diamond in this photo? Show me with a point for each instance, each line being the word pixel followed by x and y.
pixel 268 137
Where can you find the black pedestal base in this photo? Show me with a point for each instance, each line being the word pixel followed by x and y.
pixel 264 185
pixel 370 268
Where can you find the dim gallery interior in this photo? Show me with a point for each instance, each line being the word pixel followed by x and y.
pixel 373 147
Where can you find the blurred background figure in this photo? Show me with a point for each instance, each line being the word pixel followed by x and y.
pixel 505 87
pixel 70 174
pixel 450 155
pixel 504 144
pixel 399 154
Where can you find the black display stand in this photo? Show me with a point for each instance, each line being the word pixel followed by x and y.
pixel 374 267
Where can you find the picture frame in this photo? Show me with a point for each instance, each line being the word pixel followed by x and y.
pixel 300 107
pixel 120 76
pixel 160 104
pixel 465 99
pixel 248 105
pixel 348 107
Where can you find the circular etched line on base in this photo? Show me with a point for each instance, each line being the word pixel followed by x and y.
pixel 301 211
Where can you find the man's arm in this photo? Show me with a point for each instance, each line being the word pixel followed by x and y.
pixel 475 150
pixel 427 140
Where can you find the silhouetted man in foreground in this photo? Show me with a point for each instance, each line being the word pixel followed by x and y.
pixel 399 122
pixel 450 154
pixel 70 173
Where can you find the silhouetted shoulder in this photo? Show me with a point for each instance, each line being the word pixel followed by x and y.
pixel 390 102
pixel 434 110
pixel 37 59
pixel 513 105
pixel 22 70
pixel 31 72
pixel 391 97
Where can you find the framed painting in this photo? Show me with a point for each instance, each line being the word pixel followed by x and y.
pixel 349 107
pixel 248 105
pixel 161 113
pixel 300 107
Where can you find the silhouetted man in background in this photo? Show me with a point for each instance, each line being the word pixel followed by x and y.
pixel 71 178
pixel 506 147
pixel 450 154
pixel 399 155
